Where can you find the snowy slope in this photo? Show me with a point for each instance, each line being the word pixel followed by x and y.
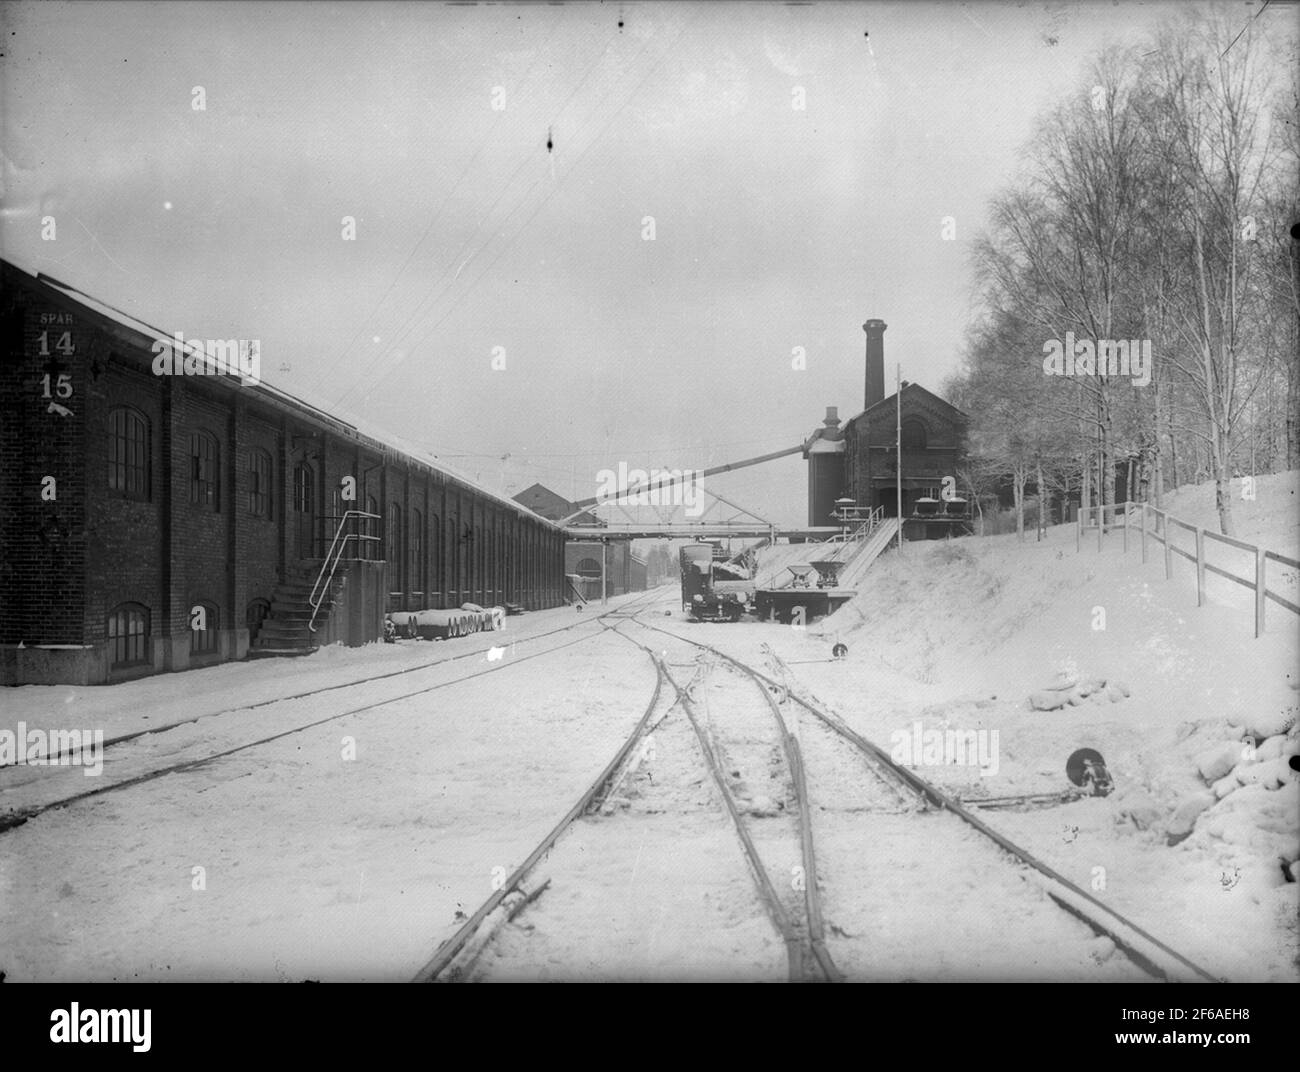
pixel 979 624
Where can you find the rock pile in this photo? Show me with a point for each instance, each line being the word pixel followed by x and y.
pixel 1229 765
pixel 1070 689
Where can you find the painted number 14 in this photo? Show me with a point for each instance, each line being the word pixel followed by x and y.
pixel 64 345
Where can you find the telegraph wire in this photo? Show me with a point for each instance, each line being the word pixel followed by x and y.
pixel 541 204
pixel 428 304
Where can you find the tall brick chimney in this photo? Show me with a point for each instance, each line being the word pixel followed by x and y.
pixel 875 330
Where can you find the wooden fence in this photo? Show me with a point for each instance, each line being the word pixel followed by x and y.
pixel 1162 532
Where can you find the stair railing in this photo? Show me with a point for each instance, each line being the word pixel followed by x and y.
pixel 338 545
pixel 862 532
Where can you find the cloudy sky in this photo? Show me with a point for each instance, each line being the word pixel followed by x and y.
pixel 774 227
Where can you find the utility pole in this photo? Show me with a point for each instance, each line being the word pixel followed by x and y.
pixel 898 446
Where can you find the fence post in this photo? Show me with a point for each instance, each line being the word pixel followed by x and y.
pixel 1143 537
pixel 1200 567
pixel 1101 522
pixel 1078 529
pixel 1126 509
pixel 1261 557
pixel 1169 554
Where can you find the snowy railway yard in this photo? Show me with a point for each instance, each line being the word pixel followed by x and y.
pixel 619 493
pixel 355 814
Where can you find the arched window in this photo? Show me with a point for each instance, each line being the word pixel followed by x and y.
pixel 254 616
pixel 304 509
pixel 128 453
pixel 128 634
pixel 259 483
pixel 205 471
pixel 913 434
pixel 204 641
pixel 302 488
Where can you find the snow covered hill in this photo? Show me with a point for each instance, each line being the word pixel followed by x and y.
pixel 963 632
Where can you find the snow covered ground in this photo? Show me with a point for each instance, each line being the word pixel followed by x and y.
pixel 959 634
pixel 166 699
pixel 351 849
pixel 313 864
pixel 655 886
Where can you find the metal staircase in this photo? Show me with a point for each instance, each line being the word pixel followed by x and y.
pixel 287 629
pixel 301 604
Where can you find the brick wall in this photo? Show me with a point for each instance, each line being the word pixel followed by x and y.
pixel 67 563
pixel 44 542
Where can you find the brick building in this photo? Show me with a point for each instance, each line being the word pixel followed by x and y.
pixel 135 507
pixel 860 459
pixel 624 570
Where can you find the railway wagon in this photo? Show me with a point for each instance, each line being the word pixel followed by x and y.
pixel 711 590
pixel 168 515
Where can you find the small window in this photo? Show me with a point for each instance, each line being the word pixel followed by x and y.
pixel 204 641
pixel 913 435
pixel 257 613
pixel 259 483
pixel 128 453
pixel 204 471
pixel 128 635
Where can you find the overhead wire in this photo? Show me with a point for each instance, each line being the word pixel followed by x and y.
pixel 361 329
pixel 427 305
pixel 541 204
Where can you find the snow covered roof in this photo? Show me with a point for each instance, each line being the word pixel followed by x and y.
pixel 146 335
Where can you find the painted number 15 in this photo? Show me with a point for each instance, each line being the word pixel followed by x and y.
pixel 62 386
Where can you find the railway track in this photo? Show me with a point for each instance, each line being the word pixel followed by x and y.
pixel 755 763
pixel 736 744
pixel 21 815
pixel 475 653
pixel 1152 956
pixel 732 745
pixel 752 736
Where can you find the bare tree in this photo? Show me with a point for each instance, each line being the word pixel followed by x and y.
pixel 1206 120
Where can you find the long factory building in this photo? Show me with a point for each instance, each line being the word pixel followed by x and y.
pixel 154 523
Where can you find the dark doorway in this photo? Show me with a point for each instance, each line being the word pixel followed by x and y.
pixel 304 509
pixel 887 499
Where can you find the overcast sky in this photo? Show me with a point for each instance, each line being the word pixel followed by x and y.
pixel 775 228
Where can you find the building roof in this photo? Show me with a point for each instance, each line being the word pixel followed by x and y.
pixel 137 333
pixel 909 389
pixel 545 502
